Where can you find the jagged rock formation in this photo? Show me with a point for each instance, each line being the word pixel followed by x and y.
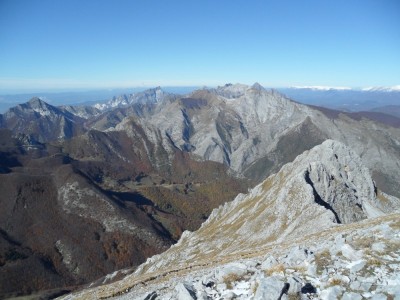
pixel 172 159
pixel 81 111
pixel 323 187
pixel 150 96
pixel 252 130
pixel 353 261
pixel 311 222
pixel 256 131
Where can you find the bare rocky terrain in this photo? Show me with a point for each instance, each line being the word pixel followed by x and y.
pixel 317 229
pixel 86 191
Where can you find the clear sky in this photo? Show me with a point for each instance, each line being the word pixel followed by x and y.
pixel 61 44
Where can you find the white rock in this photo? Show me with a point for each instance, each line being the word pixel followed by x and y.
pixel 251 264
pixel 185 291
pixel 221 287
pixel 269 262
pixel 268 289
pixel 365 286
pixel 295 285
pixel 379 297
pixel 351 296
pixel 378 247
pixel 367 295
pixel 201 295
pixel 238 269
pixel 311 270
pixel 357 265
pixel 355 285
pixel 337 245
pixel 229 295
pixel 350 253
pixel 295 257
pixel 331 293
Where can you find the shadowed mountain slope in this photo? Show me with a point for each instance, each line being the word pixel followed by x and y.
pixel 256 131
pixel 69 219
pixel 161 163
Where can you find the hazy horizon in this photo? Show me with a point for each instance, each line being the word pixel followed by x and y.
pixel 90 45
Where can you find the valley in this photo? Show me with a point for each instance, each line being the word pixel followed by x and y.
pixel 90 190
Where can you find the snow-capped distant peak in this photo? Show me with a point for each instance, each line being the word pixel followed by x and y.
pixel 395 88
pixel 322 88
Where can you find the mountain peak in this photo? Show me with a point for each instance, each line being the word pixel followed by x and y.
pixel 36 101
pixel 38 105
pixel 230 90
pixel 149 96
pixel 257 86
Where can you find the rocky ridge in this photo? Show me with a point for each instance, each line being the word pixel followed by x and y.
pixel 310 225
pixel 252 130
pixel 150 96
pixel 171 159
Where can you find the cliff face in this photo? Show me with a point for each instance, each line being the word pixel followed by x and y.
pixel 312 215
pixel 322 188
pixel 252 130
pixel 158 163
pixel 255 131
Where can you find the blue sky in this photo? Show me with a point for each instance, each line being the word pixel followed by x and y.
pixel 54 44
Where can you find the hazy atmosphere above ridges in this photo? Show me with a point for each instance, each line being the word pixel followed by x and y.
pixel 59 45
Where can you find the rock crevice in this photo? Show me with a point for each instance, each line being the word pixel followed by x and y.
pixel 318 199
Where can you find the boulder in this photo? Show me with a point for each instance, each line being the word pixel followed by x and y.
pixel 185 291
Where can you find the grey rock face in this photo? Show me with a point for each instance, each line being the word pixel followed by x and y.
pixel 185 291
pixel 287 206
pixel 333 280
pixel 268 289
pixel 252 130
pixel 278 233
pixel 256 131
pixel 150 96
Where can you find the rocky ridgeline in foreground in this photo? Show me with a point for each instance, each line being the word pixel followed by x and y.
pixel 357 261
pixel 318 229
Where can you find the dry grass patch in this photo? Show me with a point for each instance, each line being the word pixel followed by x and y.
pixel 255 287
pixel 275 269
pixel 322 259
pixel 395 224
pixel 373 261
pixel 230 279
pixel 363 243
pixel 295 296
pixel 299 269
pixel 335 281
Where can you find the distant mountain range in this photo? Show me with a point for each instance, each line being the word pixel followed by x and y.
pixel 345 99
pixel 127 176
pixel 77 97
pixel 339 98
